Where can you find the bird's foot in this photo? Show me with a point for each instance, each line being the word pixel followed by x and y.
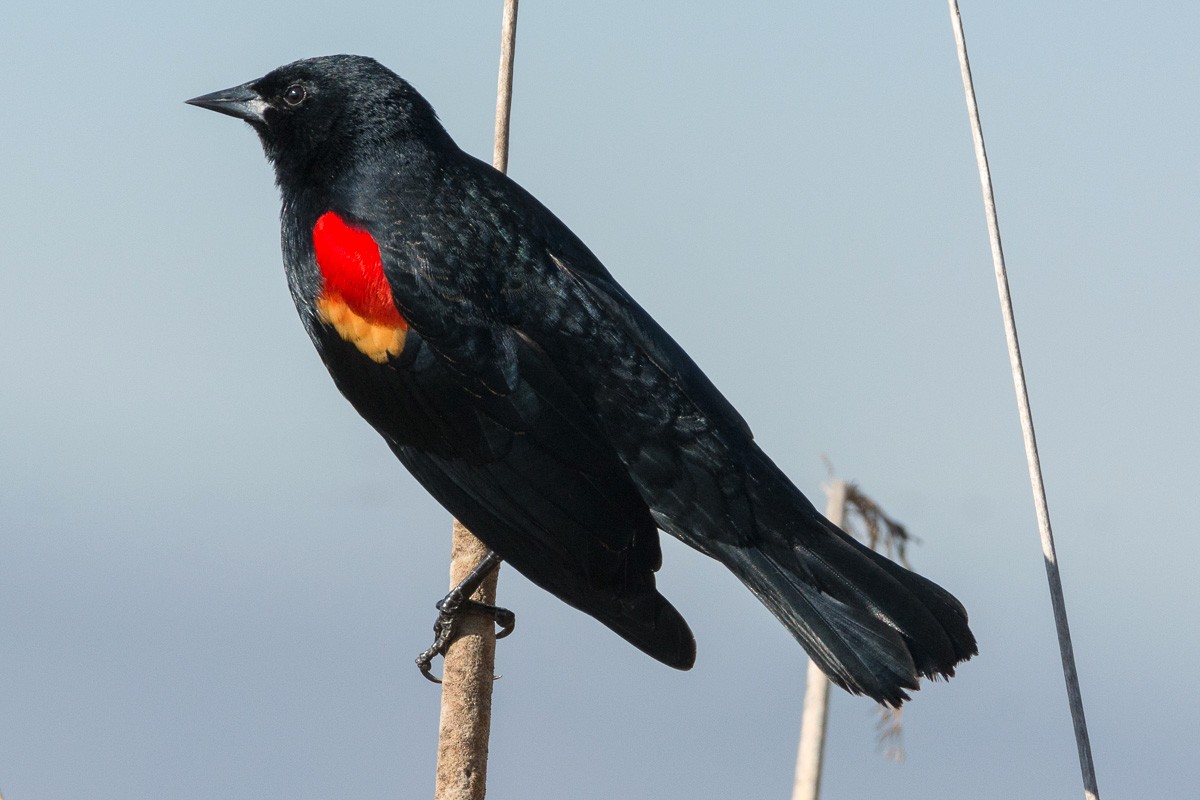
pixel 454 605
pixel 443 629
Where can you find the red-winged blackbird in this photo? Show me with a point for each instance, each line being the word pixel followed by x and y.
pixel 532 397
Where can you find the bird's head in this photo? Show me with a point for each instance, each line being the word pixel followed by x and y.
pixel 319 116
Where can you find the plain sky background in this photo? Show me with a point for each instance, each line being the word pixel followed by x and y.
pixel 214 576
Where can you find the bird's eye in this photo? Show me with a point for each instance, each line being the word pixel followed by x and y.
pixel 294 95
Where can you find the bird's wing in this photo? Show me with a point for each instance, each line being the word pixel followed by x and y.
pixel 485 269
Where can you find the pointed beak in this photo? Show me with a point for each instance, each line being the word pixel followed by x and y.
pixel 240 101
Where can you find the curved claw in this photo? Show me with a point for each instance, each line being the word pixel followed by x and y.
pixel 507 621
pixel 425 664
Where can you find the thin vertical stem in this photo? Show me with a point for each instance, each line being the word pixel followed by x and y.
pixel 1074 694
pixel 466 715
pixel 809 758
pixel 508 48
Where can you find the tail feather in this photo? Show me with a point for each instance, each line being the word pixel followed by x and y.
pixel 945 608
pixel 857 650
pixel 872 626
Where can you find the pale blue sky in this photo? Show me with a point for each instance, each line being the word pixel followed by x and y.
pixel 214 576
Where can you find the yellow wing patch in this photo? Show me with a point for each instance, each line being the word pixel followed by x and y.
pixel 377 342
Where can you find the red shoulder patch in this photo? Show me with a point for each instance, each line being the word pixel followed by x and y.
pixel 353 270
pixel 356 298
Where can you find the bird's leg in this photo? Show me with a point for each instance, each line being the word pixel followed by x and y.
pixel 459 602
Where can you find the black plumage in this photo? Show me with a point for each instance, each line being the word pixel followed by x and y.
pixel 542 406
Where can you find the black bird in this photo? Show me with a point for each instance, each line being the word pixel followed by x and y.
pixel 538 402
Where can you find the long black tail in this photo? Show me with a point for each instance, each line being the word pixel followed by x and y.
pixel 872 626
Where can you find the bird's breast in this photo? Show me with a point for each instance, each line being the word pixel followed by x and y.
pixel 355 298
